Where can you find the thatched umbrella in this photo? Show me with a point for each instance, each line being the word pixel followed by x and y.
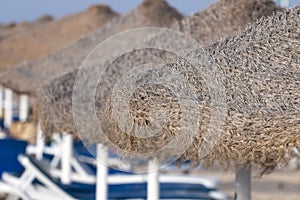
pixel 30 41
pixel 27 78
pixel 145 99
pixel 8 30
pixel 55 106
pixel 41 37
pixel 259 71
pixel 223 18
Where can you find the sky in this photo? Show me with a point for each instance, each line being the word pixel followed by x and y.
pixel 29 10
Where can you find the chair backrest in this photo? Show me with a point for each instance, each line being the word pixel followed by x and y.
pixel 80 151
pixel 74 190
pixel 9 151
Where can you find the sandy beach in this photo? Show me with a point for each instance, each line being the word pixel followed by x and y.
pixel 278 185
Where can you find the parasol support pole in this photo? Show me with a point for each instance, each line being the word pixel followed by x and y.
pixel 102 172
pixel 40 143
pixel 8 108
pixel 1 102
pixel 153 180
pixel 66 158
pixel 243 183
pixel 24 107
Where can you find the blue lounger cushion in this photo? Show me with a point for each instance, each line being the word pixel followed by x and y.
pixel 9 151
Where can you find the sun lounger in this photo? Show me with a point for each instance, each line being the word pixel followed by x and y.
pixel 36 181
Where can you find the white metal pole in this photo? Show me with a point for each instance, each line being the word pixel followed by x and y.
pixel 1 102
pixel 102 173
pixel 8 117
pixel 153 180
pixel 66 159
pixel 243 183
pixel 40 143
pixel 24 107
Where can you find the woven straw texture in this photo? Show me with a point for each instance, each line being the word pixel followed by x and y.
pixel 259 69
pixel 224 18
pixel 60 90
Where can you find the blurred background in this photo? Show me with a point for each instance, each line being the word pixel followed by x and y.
pixel 29 10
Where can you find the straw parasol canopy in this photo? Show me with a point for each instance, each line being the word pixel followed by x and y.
pixel 224 18
pixel 56 110
pixel 27 78
pixel 9 30
pixel 43 36
pixel 219 20
pixel 54 104
pixel 258 72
